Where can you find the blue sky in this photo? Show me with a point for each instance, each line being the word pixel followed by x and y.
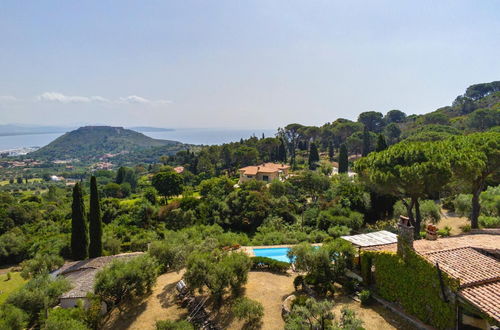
pixel 241 64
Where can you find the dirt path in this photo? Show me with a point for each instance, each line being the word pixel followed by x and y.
pixel 453 221
pixel 374 317
pixel 267 288
pixel 270 290
pixel 160 305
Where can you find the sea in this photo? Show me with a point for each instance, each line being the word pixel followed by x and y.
pixel 205 136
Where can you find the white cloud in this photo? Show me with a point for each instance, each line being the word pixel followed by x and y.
pixel 8 99
pixel 134 99
pixel 61 98
pixel 131 99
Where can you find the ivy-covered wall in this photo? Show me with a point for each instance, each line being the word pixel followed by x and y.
pixel 414 284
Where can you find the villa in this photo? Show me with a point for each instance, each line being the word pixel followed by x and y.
pixel 266 172
pixel 179 169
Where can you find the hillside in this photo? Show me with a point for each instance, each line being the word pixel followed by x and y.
pixel 92 142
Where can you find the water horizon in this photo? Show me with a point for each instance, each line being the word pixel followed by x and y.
pixel 199 136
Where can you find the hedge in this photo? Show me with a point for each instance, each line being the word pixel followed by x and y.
pixel 414 284
pixel 270 264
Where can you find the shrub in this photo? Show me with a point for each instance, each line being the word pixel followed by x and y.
pixel 429 211
pixel 490 201
pixel 127 279
pixel 337 231
pixel 349 320
pixel 445 231
pixel 351 285
pixel 339 216
pixel 466 228
pixel 489 222
pixel 40 264
pixel 312 314
pixel 365 297
pixel 270 264
pixel 92 314
pixel 217 272
pixel 323 265
pixel 170 254
pixel 447 203
pixel 39 293
pixel 150 195
pixel 13 246
pixel 249 310
pixel 12 318
pixel 174 325
pixel 112 245
pixel 299 300
pixel 463 204
pixel 298 282
pixel 61 318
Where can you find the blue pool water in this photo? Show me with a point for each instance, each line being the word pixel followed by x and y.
pixel 273 253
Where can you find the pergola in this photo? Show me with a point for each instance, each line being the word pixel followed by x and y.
pixel 372 239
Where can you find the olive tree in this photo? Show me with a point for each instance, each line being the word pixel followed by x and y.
pixel 217 272
pixel 125 279
pixel 249 310
pixel 324 265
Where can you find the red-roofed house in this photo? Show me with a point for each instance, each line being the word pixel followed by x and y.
pixel 179 169
pixel 265 172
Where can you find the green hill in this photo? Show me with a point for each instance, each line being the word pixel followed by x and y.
pixel 93 142
pixel 477 110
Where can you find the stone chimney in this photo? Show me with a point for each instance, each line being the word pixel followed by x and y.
pixel 405 236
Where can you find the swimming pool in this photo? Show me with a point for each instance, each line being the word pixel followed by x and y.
pixel 279 254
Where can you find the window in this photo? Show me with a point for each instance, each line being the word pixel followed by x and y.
pixel 265 177
pixel 249 176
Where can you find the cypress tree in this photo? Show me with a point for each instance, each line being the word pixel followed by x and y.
pixel 95 224
pixel 366 142
pixel 381 144
pixel 313 156
pixel 343 159
pixel 79 231
pixel 120 175
pixel 331 152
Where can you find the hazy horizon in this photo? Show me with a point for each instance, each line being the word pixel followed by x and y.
pixel 239 65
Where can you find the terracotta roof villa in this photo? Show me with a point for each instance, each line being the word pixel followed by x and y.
pixel 474 260
pixel 81 275
pixel 265 172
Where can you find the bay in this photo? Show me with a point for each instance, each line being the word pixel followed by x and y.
pixel 206 136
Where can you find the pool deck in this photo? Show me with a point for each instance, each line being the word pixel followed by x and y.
pixel 249 249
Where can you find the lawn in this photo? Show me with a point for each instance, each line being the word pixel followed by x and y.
pixel 8 286
pixel 5 182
